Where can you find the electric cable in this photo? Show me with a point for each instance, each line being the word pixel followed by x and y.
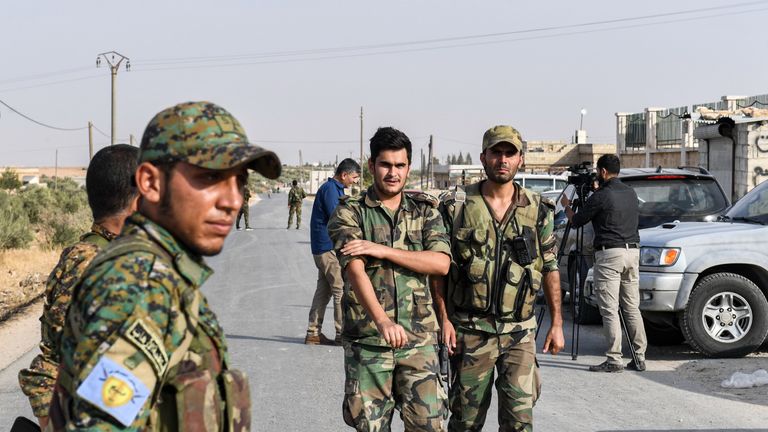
pixel 39 122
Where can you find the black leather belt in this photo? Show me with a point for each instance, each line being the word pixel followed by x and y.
pixel 621 246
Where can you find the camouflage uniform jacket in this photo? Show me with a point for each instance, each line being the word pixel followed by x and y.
pixel 38 380
pixel 296 194
pixel 403 294
pixel 246 195
pixel 476 240
pixel 128 319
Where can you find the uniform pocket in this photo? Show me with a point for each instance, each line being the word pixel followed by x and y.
pixel 415 240
pixel 238 396
pixel 352 407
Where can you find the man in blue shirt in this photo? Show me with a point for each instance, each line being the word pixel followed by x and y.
pixel 329 280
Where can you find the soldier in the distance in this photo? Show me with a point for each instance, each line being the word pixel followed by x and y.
pixel 295 196
pixel 142 349
pixel 112 197
pixel 244 209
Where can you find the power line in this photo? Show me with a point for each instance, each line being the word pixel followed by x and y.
pixel 100 131
pixel 200 62
pixel 39 122
pixel 184 60
pixel 433 48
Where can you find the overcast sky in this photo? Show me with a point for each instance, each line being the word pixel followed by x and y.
pixel 275 66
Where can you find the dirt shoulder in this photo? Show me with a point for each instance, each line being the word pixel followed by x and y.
pixel 23 276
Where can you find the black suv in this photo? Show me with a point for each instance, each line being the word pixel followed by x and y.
pixel 682 194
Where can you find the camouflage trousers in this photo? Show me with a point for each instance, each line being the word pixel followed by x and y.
pixel 244 211
pixel 380 379
pixel 513 355
pixel 294 208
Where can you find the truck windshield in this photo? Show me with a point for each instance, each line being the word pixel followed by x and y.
pixel 669 199
pixel 752 206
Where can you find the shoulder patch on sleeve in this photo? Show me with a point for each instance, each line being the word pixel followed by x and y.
pixel 114 390
pixel 141 335
pixel 425 198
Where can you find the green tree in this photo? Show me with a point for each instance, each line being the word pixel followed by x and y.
pixel 9 180
pixel 15 230
pixel 468 159
pixel 460 159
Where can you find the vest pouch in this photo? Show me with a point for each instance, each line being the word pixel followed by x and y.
pixel 238 400
pixel 472 287
pixel 518 296
pixel 198 403
pixel 529 299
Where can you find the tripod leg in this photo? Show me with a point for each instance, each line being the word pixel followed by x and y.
pixel 626 333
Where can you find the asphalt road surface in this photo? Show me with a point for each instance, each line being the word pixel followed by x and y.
pixel 262 289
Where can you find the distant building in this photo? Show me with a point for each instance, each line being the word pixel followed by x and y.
pixel 728 137
pixel 317 177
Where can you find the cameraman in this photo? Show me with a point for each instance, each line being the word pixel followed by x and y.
pixel 613 210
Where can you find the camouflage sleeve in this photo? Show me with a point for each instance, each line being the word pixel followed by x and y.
pixel 38 380
pixel 99 343
pixel 435 235
pixel 345 225
pixel 547 239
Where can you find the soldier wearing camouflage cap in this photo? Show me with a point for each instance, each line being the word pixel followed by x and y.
pixel 387 243
pixel 142 350
pixel 112 197
pixel 502 242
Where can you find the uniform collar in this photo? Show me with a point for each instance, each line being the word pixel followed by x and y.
pixel 191 266
pixel 372 200
pixel 521 198
pixel 99 230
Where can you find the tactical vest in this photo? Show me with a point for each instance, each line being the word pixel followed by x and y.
pixel 197 391
pixel 486 277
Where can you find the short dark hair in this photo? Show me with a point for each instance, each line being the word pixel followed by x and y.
pixel 610 162
pixel 294 182
pixel 389 138
pixel 109 180
pixel 348 165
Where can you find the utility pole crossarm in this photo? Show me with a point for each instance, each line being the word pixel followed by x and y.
pixel 114 59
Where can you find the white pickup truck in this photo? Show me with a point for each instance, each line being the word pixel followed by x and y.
pixel 709 279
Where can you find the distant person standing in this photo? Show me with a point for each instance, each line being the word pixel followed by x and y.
pixel 295 196
pixel 244 209
pixel 329 280
pixel 112 197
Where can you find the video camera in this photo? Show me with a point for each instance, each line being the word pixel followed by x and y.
pixel 582 174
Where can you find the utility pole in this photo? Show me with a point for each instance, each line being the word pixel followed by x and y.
pixel 56 172
pixel 421 170
pixel 114 60
pixel 362 164
pixel 430 168
pixel 90 140
pixel 301 168
pixel 130 140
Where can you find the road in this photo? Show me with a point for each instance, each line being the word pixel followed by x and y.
pixel 262 289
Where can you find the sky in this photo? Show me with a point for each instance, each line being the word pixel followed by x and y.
pixel 296 73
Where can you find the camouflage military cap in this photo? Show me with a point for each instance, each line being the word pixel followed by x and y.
pixel 500 134
pixel 205 135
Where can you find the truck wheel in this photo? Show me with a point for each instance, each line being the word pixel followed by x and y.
pixel 726 316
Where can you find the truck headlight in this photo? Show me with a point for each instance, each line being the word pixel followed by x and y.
pixel 658 257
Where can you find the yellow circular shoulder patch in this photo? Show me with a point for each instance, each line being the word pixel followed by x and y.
pixel 116 392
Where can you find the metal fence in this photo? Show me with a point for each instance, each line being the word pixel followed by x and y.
pixel 669 127
pixel 635 139
pixel 760 101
